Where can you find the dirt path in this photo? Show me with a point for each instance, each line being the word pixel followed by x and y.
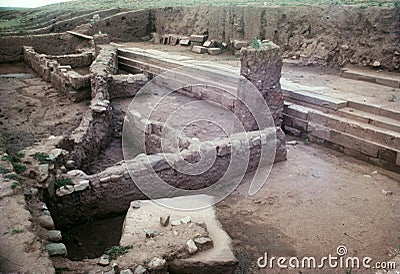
pixel 312 203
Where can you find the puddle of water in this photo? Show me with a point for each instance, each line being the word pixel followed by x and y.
pixel 92 239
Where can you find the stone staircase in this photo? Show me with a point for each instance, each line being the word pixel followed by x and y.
pixel 364 131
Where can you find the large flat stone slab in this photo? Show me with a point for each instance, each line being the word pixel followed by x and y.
pixel 170 242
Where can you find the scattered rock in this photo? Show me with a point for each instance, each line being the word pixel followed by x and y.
pixel 46 222
pixel 203 242
pixel 367 176
pixel 176 222
pixel 135 204
pixel 104 260
pixel 157 264
pixel 56 249
pixel 374 172
pixel 191 247
pixel 186 220
pixel 43 172
pixel 70 164
pixel 386 192
pixel 82 185
pixel 291 143
pixel 65 190
pixel 150 233
pixel 376 64
pixel 128 271
pixel 139 270
pixel 115 268
pixel 165 221
pixel 175 232
pixel 54 236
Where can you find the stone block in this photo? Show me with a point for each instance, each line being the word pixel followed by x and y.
pixel 199 49
pixel 214 51
pixel 238 44
pixel 184 42
pixel 198 38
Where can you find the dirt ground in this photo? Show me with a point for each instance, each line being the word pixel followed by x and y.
pixel 312 203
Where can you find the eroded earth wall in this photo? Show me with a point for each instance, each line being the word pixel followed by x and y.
pixel 326 35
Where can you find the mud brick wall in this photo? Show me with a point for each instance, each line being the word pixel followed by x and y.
pixel 326 35
pixel 94 132
pixel 262 67
pixel 81 60
pixel 112 190
pixel 11 47
pixel 75 86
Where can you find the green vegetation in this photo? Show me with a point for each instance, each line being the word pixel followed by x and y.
pixel 4 170
pixel 40 157
pixel 17 231
pixel 63 182
pixel 14 185
pixel 393 98
pixel 116 251
pixel 14 177
pixel 15 160
pixel 19 168
pixel 19 20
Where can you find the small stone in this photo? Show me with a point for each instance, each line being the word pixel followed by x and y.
pixel 46 222
pixel 43 172
pixel 376 64
pixel 191 247
pixel 165 221
pixel 55 249
pixel 135 204
pixel 104 260
pixel 115 268
pixel 386 192
pixel 128 271
pixel 203 241
pixel 70 164
pixel 291 143
pixel 157 264
pixel 82 185
pixel 54 236
pixel 374 172
pixel 46 212
pixel 175 232
pixel 76 173
pixel 105 180
pixel 65 190
pixel 186 220
pixel 115 178
pixel 140 270
pixel 176 222
pixel 150 233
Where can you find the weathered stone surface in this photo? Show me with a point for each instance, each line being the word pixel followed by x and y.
pixel 56 249
pixel 43 172
pixel 65 190
pixel 54 236
pixel 238 44
pixel 199 49
pixel 82 185
pixel 191 247
pixel 214 51
pixel 198 38
pixel 46 222
pixel 128 271
pixel 157 264
pixel 140 270
pixel 104 260
pixel 184 42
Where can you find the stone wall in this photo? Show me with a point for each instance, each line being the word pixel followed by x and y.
pixel 81 60
pixel 75 86
pixel 262 67
pixel 11 47
pixel 112 190
pixel 125 86
pixel 325 35
pixel 94 132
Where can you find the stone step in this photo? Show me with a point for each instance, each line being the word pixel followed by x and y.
pixel 368 132
pixel 375 109
pixel 314 99
pixel 359 148
pixel 370 118
pixel 381 78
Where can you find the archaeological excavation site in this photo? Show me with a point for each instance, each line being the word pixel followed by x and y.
pixel 200 137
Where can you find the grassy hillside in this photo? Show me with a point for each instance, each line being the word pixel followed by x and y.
pixel 19 20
